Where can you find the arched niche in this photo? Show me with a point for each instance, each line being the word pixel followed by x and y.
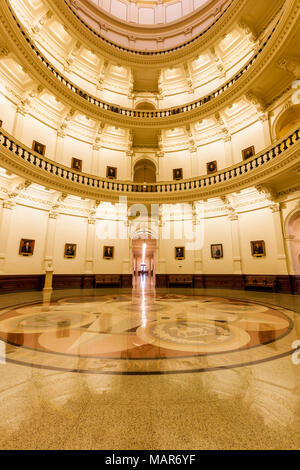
pixel 144 171
pixel 287 121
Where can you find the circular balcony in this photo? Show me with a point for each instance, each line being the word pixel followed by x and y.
pixel 270 165
pixel 151 118
pixel 149 26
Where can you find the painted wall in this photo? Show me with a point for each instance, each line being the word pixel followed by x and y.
pixel 23 221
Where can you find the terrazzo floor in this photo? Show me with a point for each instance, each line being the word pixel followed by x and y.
pixel 149 369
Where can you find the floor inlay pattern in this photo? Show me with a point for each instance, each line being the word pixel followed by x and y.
pixel 142 333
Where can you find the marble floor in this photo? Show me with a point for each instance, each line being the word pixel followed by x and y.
pixel 149 369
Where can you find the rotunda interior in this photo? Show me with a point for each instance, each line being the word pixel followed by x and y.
pixel 149 161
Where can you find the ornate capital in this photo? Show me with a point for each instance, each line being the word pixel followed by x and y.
pixel 53 214
pixel 275 207
pixel 9 204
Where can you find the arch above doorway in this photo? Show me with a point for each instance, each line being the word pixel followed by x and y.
pixel 287 121
pixel 144 171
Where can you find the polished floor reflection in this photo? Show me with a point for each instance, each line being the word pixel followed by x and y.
pixel 149 369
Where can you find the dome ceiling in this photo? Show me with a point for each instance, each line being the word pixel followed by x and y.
pixel 150 12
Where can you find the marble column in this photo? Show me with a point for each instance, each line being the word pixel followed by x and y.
pixel 266 129
pixel 278 231
pixel 50 239
pixel 228 152
pixel 289 248
pixel 95 159
pixel 90 246
pixel 160 12
pixel 161 262
pixel 199 238
pixel 5 223
pixel 18 126
pixel 59 148
pixel 236 244
pixel 194 162
pixel 126 262
pixel 132 12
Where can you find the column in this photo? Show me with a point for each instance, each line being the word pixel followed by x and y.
pixel 161 262
pixel 90 245
pixel 266 129
pixel 18 127
pixel 278 231
pixel 187 6
pixel 50 239
pixel 194 162
pixel 289 245
pixel 95 159
pixel 236 244
pixel 160 12
pixel 59 148
pixel 5 222
pixel 132 12
pixel 228 152
pixel 124 225
pixel 198 237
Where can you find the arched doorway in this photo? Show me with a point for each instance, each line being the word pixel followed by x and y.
pixel 288 121
pixel 143 260
pixel 145 105
pixel 144 171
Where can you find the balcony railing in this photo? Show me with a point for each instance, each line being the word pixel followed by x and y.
pixel 140 114
pixel 90 181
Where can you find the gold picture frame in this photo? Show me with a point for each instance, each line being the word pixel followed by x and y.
pixel 108 252
pixel 26 247
pixel 76 164
pixel 212 167
pixel 216 251
pixel 177 174
pixel 248 152
pixel 111 172
pixel 258 248
pixel 39 148
pixel 179 252
pixel 70 250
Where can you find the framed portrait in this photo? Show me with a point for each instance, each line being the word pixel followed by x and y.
pixel 70 250
pixel 258 248
pixel 108 252
pixel 216 251
pixel 177 174
pixel 248 152
pixel 38 148
pixel 179 252
pixel 26 247
pixel 76 164
pixel 111 172
pixel 211 167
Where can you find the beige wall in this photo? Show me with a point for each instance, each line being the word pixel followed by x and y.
pixel 257 223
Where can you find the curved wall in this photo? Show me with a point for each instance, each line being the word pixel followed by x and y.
pixel 74 221
pixel 152 25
